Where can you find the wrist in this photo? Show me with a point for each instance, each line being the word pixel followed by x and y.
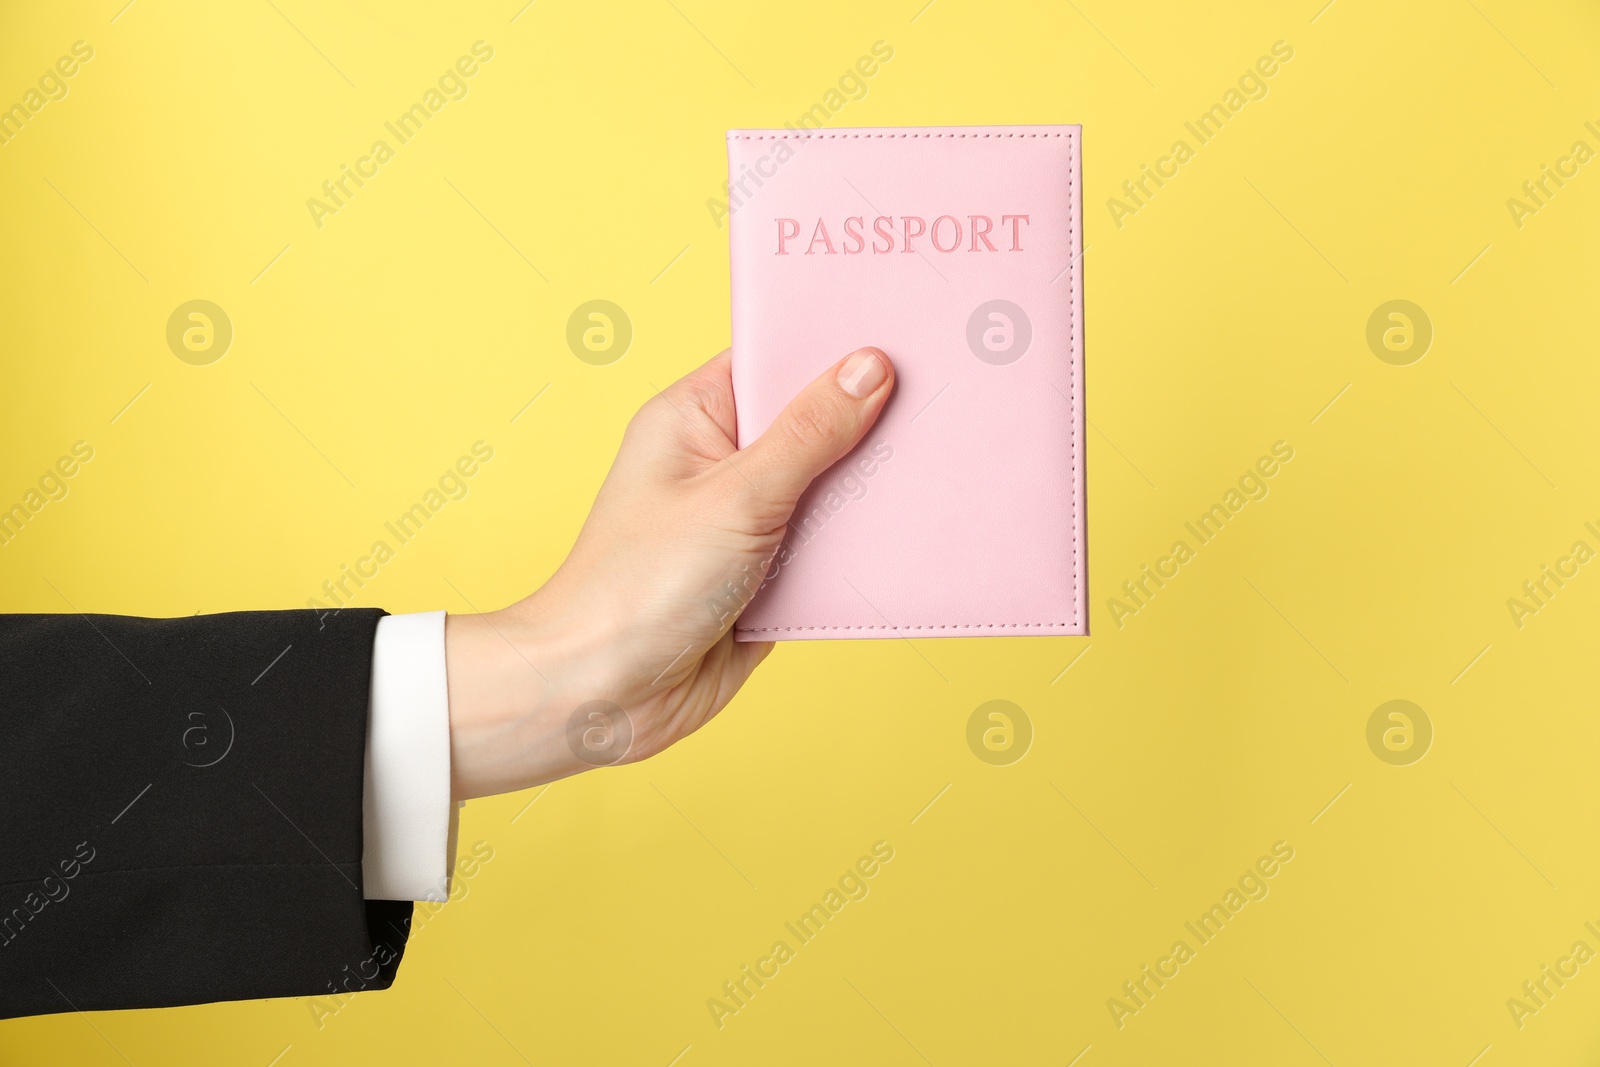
pixel 514 675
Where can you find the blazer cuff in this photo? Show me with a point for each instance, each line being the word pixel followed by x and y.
pixel 409 821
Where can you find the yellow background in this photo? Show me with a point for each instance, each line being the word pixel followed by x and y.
pixel 1224 316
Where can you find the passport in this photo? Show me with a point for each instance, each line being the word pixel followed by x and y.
pixel 957 250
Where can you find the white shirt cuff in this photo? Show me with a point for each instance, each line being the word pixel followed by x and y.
pixel 409 821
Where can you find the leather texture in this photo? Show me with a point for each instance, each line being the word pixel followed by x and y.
pixel 962 513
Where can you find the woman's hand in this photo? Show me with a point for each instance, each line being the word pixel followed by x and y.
pixel 628 647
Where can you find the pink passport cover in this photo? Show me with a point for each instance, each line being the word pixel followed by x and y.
pixel 962 512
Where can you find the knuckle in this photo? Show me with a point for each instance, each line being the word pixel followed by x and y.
pixel 812 421
pixel 701 394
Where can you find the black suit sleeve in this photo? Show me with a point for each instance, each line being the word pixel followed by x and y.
pixel 180 811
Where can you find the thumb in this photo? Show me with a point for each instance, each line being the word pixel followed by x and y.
pixel 827 420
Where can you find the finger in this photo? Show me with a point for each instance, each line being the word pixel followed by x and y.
pixel 827 420
pixel 709 388
pixel 746 656
pixel 739 661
